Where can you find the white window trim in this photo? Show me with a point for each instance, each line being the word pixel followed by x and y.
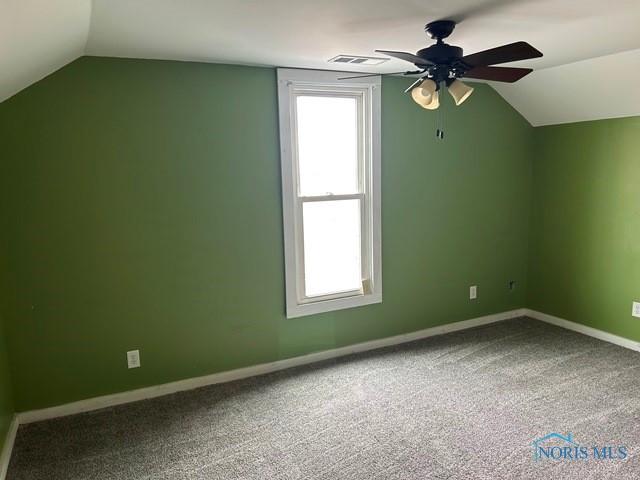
pixel 290 82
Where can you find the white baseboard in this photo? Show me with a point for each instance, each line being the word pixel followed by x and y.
pixel 189 384
pixel 5 455
pixel 580 328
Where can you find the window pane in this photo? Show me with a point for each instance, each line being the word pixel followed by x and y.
pixel 327 145
pixel 331 247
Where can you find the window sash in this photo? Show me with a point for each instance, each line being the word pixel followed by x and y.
pixel 362 127
pixel 365 241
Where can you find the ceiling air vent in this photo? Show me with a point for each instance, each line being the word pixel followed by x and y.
pixel 352 59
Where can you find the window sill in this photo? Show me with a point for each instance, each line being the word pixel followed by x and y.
pixel 301 310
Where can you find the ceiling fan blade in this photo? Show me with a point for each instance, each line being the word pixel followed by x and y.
pixel 498 74
pixel 359 76
pixel 506 53
pixel 413 85
pixel 481 9
pixel 407 57
pixel 411 13
pixel 371 75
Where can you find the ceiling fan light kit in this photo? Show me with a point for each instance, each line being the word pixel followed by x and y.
pixel 426 95
pixel 460 91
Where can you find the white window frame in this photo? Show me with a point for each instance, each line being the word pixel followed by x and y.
pixel 367 91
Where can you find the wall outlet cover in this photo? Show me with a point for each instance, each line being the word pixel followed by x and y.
pixel 636 309
pixel 133 358
pixel 473 292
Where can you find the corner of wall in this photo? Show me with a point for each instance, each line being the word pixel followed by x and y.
pixel 506 100
pixel 7 410
pixel 532 153
pixel 7 404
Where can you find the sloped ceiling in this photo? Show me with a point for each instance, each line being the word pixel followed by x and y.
pixel 602 87
pixel 582 40
pixel 38 37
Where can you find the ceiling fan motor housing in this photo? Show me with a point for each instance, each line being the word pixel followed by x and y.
pixel 445 59
pixel 440 29
pixel 441 53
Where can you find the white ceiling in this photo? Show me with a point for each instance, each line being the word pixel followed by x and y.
pixel 586 90
pixel 39 36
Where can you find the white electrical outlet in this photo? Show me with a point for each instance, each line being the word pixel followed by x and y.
pixel 636 309
pixel 133 358
pixel 473 292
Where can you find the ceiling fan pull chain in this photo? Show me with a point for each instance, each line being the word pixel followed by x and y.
pixel 440 124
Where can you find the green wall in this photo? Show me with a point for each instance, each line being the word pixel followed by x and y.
pixel 6 390
pixel 6 400
pixel 145 213
pixel 585 243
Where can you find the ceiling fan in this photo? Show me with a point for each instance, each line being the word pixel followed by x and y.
pixel 442 64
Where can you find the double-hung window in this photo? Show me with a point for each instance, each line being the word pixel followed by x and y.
pixel 330 155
